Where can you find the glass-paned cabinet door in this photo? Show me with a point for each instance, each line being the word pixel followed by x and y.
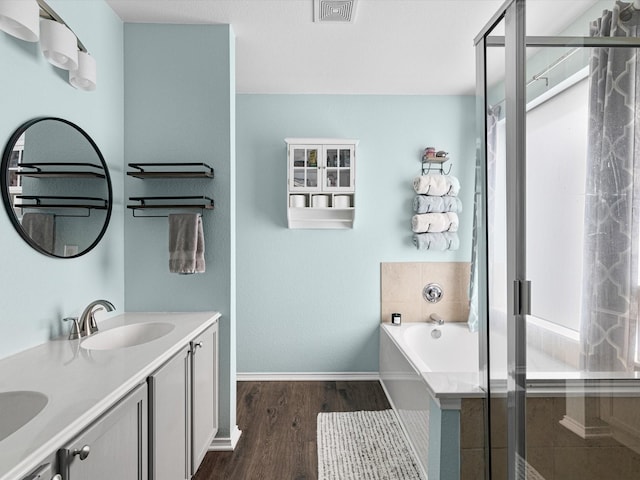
pixel 339 173
pixel 304 168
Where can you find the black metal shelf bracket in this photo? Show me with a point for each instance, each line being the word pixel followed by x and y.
pixel 160 203
pixel 46 202
pixel 171 170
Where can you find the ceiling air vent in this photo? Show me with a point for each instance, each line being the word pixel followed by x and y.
pixel 334 11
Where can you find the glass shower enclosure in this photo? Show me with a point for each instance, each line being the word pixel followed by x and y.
pixel 558 216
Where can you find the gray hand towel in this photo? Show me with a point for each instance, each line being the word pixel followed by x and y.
pixel 41 229
pixel 186 243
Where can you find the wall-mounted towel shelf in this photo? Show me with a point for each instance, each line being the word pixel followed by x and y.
pixel 436 204
pixel 45 202
pixel 61 170
pixel 195 202
pixel 171 170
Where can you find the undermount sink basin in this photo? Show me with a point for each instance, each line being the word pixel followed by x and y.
pixel 127 336
pixel 19 408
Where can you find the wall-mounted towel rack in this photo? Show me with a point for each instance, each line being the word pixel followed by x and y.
pixel 61 170
pixel 175 170
pixel 170 203
pixel 46 202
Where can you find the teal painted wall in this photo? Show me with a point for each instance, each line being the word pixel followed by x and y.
pixel 179 107
pixel 309 300
pixel 38 291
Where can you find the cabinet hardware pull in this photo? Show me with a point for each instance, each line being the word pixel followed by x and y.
pixel 83 453
pixel 198 345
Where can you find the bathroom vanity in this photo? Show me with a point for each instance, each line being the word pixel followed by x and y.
pixel 137 400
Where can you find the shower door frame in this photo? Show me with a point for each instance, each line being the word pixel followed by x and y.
pixel 512 13
pixel 515 41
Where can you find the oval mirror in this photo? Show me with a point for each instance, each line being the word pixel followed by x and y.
pixel 56 187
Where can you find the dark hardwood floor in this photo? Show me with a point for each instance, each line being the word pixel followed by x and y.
pixel 278 423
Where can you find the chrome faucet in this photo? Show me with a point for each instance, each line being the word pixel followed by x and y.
pixel 87 322
pixel 435 318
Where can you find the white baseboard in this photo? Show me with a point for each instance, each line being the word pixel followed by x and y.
pixel 306 376
pixel 226 444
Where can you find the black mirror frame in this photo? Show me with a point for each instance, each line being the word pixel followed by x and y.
pixel 6 197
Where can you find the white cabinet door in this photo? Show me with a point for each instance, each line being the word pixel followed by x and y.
pixel 170 432
pixel 114 446
pixel 204 375
pixel 305 168
pixel 338 169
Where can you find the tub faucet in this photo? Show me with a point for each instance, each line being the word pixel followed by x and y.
pixel 87 322
pixel 435 318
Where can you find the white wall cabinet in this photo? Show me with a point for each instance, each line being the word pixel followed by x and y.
pixel 321 182
pixel 183 396
pixel 114 446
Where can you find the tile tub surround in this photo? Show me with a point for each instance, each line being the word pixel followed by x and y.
pixel 557 346
pixel 557 453
pixel 81 385
pixel 401 285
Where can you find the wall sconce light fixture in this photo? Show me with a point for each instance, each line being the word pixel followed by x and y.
pixel 84 77
pixel 20 18
pixel 31 20
pixel 58 44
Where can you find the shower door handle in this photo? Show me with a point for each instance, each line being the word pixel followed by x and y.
pixel 522 297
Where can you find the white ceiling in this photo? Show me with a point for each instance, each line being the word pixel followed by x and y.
pixel 422 47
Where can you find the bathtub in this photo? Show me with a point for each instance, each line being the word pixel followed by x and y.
pixel 426 371
pixel 437 348
pixel 430 376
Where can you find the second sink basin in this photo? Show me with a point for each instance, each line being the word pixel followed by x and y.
pixel 18 408
pixel 127 336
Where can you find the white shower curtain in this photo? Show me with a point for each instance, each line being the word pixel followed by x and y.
pixel 612 203
pixel 493 114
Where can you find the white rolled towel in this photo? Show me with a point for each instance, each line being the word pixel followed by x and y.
pixel 436 185
pixel 434 222
pixel 454 186
pixel 430 185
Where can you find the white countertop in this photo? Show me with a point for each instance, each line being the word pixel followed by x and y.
pixel 82 384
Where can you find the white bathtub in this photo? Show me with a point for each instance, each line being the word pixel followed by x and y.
pixel 454 350
pixel 426 376
pixel 425 379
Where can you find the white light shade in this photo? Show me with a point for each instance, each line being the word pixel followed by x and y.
pixel 20 18
pixel 84 77
pixel 59 45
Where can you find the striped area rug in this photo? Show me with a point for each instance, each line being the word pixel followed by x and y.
pixel 364 446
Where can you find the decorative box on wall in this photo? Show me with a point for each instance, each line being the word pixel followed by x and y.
pixel 321 178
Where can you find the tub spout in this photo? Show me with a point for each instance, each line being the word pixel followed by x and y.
pixel 435 318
